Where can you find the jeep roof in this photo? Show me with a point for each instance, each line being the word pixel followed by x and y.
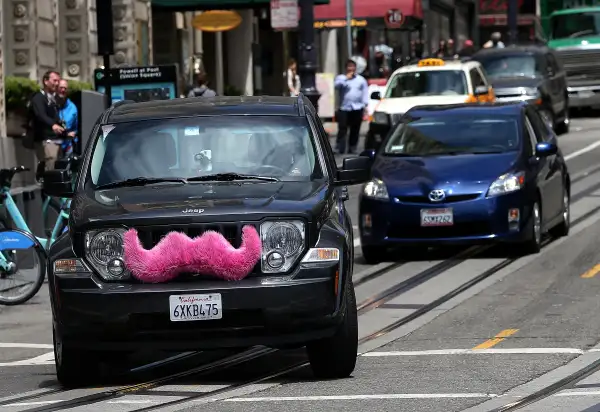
pixel 126 111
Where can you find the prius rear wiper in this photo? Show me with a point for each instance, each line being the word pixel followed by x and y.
pixel 230 177
pixel 140 181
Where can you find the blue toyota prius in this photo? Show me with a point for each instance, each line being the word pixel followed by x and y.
pixel 465 174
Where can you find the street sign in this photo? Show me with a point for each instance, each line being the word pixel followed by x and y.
pixel 284 14
pixel 394 19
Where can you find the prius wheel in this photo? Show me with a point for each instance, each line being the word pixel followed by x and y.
pixel 374 254
pixel 562 229
pixel 534 242
pixel 335 357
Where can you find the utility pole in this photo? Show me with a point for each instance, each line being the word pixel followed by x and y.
pixel 349 13
pixel 104 24
pixel 307 61
pixel 512 11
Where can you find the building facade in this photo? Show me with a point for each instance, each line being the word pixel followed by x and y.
pixel 61 35
pixel 36 36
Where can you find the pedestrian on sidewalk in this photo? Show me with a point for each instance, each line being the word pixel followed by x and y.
pixel 68 113
pixel 45 131
pixel 354 98
pixel 293 79
pixel 202 90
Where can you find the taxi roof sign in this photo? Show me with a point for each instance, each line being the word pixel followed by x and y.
pixel 431 62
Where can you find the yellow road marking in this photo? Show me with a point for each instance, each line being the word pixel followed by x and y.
pixel 496 339
pixel 592 272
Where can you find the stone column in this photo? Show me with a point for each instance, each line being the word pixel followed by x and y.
pixel 133 32
pixel 30 36
pixel 78 39
pixel 239 54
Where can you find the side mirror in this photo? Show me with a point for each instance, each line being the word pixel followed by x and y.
pixel 376 96
pixel 354 171
pixel 545 149
pixel 370 153
pixel 481 90
pixel 58 183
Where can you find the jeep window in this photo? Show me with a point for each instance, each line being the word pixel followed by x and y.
pixel 281 147
pixel 572 26
pixel 516 65
pixel 427 83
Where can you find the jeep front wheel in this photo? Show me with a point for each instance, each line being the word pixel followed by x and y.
pixel 335 357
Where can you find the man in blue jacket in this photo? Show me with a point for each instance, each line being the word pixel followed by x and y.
pixel 353 91
pixel 68 116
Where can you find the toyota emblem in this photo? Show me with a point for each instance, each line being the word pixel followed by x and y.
pixel 437 195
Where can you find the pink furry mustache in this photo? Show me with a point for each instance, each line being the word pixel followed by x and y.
pixel 209 254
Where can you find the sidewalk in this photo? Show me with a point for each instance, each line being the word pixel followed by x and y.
pixel 331 129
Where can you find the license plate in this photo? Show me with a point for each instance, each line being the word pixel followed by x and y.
pixel 184 308
pixel 437 217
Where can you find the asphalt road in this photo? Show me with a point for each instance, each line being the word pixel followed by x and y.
pixel 491 332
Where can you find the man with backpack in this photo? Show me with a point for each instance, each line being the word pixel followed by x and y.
pixel 202 90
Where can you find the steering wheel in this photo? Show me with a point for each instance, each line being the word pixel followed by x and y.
pixel 272 168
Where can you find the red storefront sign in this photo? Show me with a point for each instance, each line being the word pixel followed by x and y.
pixel 500 6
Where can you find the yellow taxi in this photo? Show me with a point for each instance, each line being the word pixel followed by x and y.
pixel 429 82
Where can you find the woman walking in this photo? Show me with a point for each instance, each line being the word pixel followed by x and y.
pixel 293 80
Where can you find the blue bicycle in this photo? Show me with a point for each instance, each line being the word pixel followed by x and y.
pixel 21 252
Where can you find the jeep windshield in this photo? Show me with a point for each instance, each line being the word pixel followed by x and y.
pixel 572 26
pixel 204 149
pixel 427 83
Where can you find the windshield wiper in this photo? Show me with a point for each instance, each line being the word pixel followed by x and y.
pixel 230 177
pixel 140 181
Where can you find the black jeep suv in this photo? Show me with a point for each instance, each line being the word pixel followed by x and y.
pixel 205 223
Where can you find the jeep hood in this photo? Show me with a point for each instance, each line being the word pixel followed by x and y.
pixel 195 202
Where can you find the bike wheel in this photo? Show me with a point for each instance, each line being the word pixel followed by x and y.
pixel 52 213
pixel 25 266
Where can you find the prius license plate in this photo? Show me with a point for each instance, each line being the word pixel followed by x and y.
pixel 437 217
pixel 195 307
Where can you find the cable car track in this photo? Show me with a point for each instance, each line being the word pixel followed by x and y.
pixel 365 306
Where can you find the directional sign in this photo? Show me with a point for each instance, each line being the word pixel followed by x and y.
pixel 284 14
pixel 394 19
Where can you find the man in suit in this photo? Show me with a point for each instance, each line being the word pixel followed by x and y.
pixel 44 124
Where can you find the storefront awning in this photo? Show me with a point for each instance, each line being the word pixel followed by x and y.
pixel 336 9
pixel 192 5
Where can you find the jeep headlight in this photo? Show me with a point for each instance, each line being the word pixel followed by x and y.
pixel 104 251
pixel 282 244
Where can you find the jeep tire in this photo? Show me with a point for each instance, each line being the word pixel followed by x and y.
pixel 335 357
